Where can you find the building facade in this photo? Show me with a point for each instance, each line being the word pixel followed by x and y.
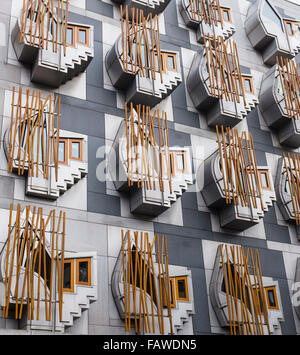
pixel 149 167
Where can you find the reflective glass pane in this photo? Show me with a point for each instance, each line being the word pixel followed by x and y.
pixel 83 272
pixel 67 276
pixel 271 297
pixel 82 36
pixel 70 35
pixel 270 13
pixel 61 152
pixel 76 150
pixel 181 288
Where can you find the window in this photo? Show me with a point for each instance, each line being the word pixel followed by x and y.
pixel 182 293
pixel 168 61
pixel 292 27
pixel 271 14
pixel 83 272
pixel 178 162
pixel 272 300
pixel 226 14
pixel 63 151
pixel 75 149
pixel 83 35
pixel 248 84
pixel 264 179
pixel 77 35
pixel 71 36
pixel 68 281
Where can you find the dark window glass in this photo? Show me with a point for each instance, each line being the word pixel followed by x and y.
pixel 83 272
pixel 67 276
pixel 271 297
pixel 181 288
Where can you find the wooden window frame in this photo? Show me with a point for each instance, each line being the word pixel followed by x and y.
pixel 172 289
pixel 174 56
pixel 226 9
pixel 73 37
pixel 71 289
pixel 183 153
pixel 244 78
pixel 293 24
pixel 86 29
pixel 79 260
pixel 65 141
pixel 187 298
pixel 75 140
pixel 265 171
pixel 273 288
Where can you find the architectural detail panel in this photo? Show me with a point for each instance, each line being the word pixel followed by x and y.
pixel 153 7
pixel 234 184
pixel 57 50
pixel 217 84
pixel 208 18
pixel 137 64
pixel 143 164
pixel 151 295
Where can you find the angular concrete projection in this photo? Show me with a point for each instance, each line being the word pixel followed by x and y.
pixel 219 87
pixel 241 191
pixel 268 34
pixel 152 173
pixel 57 50
pixel 207 18
pixel 157 299
pixel 278 104
pixel 236 295
pixel 44 286
pixel 154 7
pixel 52 160
pixel 287 189
pixel 295 299
pixel 139 67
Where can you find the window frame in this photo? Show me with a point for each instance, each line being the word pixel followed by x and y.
pixel 79 260
pixel 250 78
pixel 183 153
pixel 86 29
pixel 75 140
pixel 264 171
pixel 293 24
pixel 71 289
pixel 228 10
pixel 273 288
pixel 65 141
pixel 187 298
pixel 73 37
pixel 174 56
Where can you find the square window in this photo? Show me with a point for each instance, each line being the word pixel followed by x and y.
pixel 83 272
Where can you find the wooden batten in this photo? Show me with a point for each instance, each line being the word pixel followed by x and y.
pixel 290 84
pixel 245 292
pixel 25 126
pixel 140 44
pixel 33 27
pixel 146 155
pixel 139 270
pixel 26 250
pixel 224 71
pixel 208 11
pixel 239 168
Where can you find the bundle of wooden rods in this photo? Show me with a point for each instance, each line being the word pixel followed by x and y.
pixel 245 296
pixel 138 259
pixel 223 66
pixel 147 159
pixel 291 170
pixel 30 240
pixel 33 132
pixel 141 50
pixel 40 26
pixel 290 84
pixel 239 168
pixel 208 11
